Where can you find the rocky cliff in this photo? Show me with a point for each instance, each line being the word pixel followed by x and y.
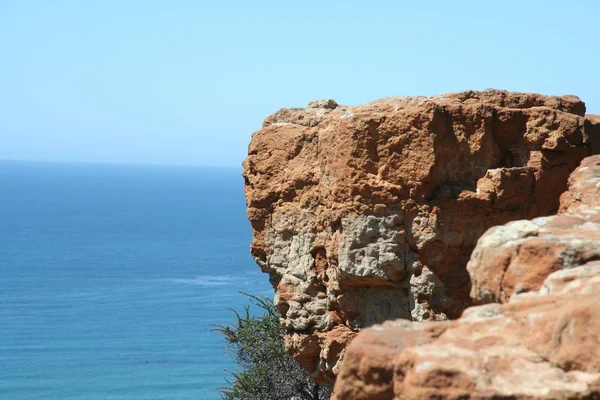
pixel 370 213
pixel 538 339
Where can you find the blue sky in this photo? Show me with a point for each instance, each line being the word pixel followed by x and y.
pixel 187 82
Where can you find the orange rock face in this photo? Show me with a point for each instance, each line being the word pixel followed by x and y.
pixel 584 186
pixel 540 347
pixel 517 257
pixel 542 343
pixel 369 213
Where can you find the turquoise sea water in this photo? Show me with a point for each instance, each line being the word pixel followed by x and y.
pixel 110 277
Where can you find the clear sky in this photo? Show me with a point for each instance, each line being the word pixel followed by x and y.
pixel 187 82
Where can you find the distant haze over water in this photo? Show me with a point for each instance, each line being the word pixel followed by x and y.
pixel 112 276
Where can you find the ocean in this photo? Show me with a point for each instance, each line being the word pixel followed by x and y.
pixel 111 277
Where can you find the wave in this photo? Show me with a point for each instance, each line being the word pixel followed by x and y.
pixel 205 280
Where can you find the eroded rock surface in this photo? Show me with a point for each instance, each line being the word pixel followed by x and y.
pixel 538 339
pixel 368 213
pixel 584 186
pixel 543 346
pixel 517 257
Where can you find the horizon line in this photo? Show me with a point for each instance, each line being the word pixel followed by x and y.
pixel 117 163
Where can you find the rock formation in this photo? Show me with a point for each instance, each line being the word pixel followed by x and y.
pixel 370 213
pixel 517 257
pixel 542 342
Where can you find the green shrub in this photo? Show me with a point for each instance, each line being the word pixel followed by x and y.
pixel 266 371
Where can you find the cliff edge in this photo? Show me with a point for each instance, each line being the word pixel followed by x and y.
pixel 362 214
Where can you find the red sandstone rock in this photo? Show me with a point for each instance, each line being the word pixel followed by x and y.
pixel 368 213
pixel 517 257
pixel 543 346
pixel 543 343
pixel 584 186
